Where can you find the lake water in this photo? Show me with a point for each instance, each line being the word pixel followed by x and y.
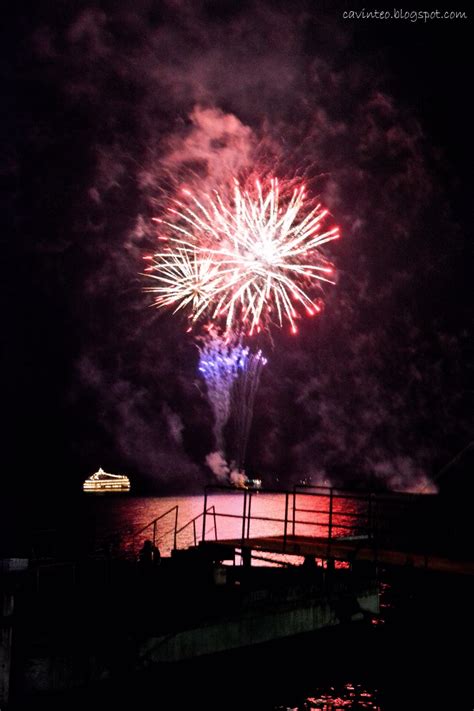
pixel 120 518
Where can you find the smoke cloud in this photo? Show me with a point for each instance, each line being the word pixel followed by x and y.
pixel 218 465
pixel 238 478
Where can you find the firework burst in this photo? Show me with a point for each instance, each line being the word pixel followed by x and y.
pixel 244 258
pixel 185 280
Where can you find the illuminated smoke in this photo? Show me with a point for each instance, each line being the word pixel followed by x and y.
pixel 238 478
pixel 218 465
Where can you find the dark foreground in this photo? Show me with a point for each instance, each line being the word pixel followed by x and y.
pixel 415 656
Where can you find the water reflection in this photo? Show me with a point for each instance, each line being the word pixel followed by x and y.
pixel 121 518
pixel 348 696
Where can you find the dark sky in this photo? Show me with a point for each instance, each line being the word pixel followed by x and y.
pixel 105 104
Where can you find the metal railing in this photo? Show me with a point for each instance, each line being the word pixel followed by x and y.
pixel 363 519
pixel 372 512
pixel 375 516
pixel 175 530
pixel 378 518
pixel 153 524
pixel 246 517
pixel 193 522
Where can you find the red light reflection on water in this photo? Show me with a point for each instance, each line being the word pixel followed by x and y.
pixel 310 514
pixel 348 696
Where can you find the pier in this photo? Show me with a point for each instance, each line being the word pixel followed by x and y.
pixel 383 529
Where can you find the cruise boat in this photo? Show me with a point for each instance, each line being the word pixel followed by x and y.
pixel 103 481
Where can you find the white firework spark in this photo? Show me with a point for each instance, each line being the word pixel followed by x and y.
pixel 247 259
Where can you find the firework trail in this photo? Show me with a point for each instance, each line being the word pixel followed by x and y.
pixel 245 389
pixel 219 365
pixel 243 258
pixel 232 374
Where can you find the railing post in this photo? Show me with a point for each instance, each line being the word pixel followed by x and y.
pixel 194 531
pixel 204 516
pixel 293 527
pixel 286 521
pixel 154 533
pixel 176 528
pixel 244 514
pixel 249 514
pixel 215 522
pixel 331 497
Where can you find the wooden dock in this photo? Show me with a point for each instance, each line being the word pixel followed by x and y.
pixel 346 549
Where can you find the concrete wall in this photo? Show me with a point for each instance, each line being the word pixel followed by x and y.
pixel 255 627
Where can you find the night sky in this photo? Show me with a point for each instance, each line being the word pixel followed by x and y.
pixel 106 103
